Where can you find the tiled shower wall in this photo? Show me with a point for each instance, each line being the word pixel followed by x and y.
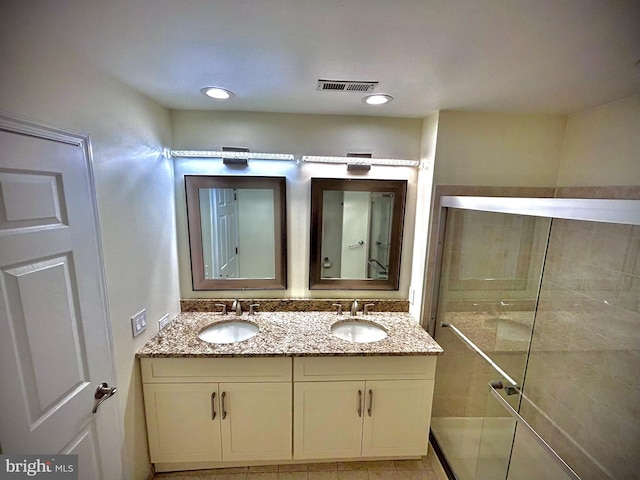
pixel 584 367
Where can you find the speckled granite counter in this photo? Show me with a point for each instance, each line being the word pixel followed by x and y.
pixel 290 334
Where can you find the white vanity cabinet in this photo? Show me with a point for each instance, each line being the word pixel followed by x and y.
pixel 351 407
pixel 217 409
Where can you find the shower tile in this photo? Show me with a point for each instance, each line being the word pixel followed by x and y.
pixel 623 365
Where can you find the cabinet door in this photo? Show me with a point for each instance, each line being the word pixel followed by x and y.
pixel 180 422
pixel 396 420
pixel 328 419
pixel 256 421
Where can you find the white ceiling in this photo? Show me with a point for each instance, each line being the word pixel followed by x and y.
pixel 551 56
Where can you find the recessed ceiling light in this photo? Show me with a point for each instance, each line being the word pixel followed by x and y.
pixel 217 93
pixel 377 99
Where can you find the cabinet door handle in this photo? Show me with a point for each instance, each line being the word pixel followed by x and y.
pixel 213 406
pixel 359 403
pixel 224 410
pixel 370 402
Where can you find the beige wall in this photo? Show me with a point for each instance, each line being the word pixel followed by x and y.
pixel 498 149
pixel 602 146
pixel 43 81
pixel 296 134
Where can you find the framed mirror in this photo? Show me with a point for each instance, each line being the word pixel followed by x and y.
pixel 356 233
pixel 237 232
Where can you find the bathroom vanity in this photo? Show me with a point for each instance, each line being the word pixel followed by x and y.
pixel 293 392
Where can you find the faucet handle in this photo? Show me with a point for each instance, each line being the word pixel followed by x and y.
pixel 367 307
pixel 339 305
pixel 252 307
pixel 223 306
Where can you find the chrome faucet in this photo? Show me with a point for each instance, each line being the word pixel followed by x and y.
pixel 354 308
pixel 237 307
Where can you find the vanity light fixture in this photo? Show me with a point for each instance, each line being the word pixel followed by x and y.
pixel 359 163
pixel 223 154
pixel 217 93
pixel 393 162
pixel 377 99
pixel 235 161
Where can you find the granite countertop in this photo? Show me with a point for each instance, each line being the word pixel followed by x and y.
pixel 290 334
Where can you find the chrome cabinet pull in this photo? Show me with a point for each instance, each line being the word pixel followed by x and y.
pixel 213 406
pixel 370 402
pixel 224 410
pixel 103 392
pixel 359 403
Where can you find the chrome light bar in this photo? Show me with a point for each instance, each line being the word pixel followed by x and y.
pixel 394 162
pixel 221 154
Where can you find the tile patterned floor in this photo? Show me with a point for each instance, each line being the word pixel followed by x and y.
pixel 427 468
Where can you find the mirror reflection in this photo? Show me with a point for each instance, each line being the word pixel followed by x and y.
pixel 356 233
pixel 237 232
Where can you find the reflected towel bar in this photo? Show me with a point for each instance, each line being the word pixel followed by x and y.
pixel 486 358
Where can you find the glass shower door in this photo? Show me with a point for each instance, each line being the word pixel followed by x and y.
pixel 491 271
pixel 539 318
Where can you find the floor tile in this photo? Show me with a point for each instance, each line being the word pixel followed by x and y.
pixel 295 467
pixel 380 465
pixel 414 475
pixel 383 475
pixel 262 475
pixel 353 475
pixel 408 464
pixel 264 468
pixel 351 466
pixel 223 476
pixel 323 467
pixel 292 475
pixel 327 475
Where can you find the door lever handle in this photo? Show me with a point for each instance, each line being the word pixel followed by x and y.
pixel 103 392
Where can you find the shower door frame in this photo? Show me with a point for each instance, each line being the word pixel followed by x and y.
pixel 587 209
pixel 619 211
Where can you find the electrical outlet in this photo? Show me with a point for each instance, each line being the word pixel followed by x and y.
pixel 139 323
pixel 163 322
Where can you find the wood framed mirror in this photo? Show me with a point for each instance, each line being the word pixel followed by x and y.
pixel 237 232
pixel 356 233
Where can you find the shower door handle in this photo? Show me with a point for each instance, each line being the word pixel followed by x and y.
pixel 509 389
pixel 493 389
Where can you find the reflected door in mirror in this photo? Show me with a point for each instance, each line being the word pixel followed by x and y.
pixel 356 233
pixel 356 228
pixel 237 232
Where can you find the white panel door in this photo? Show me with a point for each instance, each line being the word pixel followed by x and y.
pixel 183 422
pixel 255 421
pixel 396 421
pixel 355 235
pixel 55 344
pixel 327 419
pixel 225 242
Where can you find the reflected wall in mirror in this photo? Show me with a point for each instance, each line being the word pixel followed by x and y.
pixel 356 233
pixel 237 232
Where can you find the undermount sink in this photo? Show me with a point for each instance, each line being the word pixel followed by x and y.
pixel 358 331
pixel 229 332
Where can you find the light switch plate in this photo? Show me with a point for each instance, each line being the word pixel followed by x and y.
pixel 139 322
pixel 163 322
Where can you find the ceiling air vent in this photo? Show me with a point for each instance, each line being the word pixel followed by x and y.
pixel 346 86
